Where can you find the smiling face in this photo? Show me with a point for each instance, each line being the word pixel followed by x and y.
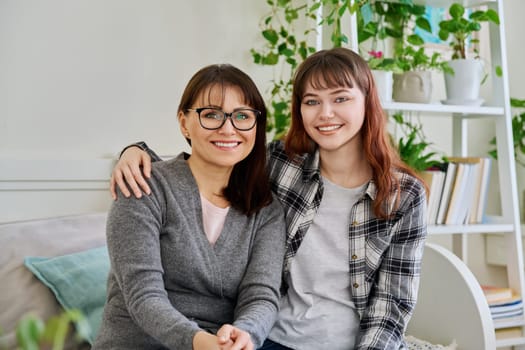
pixel 224 147
pixel 333 117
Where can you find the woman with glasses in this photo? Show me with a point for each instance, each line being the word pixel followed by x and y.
pixel 197 264
pixel 355 214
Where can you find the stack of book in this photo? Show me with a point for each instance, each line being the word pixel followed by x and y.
pixel 458 190
pixel 505 306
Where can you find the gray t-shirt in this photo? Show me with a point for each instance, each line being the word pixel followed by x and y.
pixel 318 312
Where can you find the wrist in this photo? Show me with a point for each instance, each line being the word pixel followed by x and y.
pixel 141 144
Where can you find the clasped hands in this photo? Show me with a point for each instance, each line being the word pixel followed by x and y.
pixel 228 338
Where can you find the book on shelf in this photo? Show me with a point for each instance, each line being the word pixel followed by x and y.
pixel 474 197
pixel 450 175
pixel 434 178
pixel 462 183
pixel 506 322
pixel 510 309
pixel 456 201
pixel 511 332
pixel 506 314
pixel 495 294
pixel 482 193
pixel 500 305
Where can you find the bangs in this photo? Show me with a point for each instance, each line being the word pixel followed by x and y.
pixel 329 75
pixel 214 93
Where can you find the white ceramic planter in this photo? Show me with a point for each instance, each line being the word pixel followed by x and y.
pixel 413 87
pixel 463 87
pixel 384 81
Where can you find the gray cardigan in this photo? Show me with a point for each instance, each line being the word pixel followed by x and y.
pixel 166 280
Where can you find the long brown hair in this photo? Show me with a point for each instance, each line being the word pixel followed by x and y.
pixel 248 188
pixel 341 67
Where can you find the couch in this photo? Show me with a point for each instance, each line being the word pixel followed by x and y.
pixel 25 245
pixel 32 251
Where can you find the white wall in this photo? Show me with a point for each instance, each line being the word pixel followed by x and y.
pixel 81 78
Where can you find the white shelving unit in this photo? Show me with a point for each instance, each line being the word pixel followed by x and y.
pixel 498 109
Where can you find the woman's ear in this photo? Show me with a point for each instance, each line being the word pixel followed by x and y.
pixel 182 125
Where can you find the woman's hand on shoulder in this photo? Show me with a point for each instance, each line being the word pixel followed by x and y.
pixel 233 338
pixel 127 174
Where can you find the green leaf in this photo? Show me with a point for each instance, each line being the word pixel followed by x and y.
pixel 270 35
pixel 315 6
pixel 415 39
pixel 29 332
pixel 271 59
pixel 493 16
pixel 424 24
pixel 514 102
pixel 456 10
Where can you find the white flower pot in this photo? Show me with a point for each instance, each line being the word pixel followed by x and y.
pixel 384 81
pixel 413 87
pixel 463 87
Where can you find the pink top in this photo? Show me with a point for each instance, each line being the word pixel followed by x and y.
pixel 213 219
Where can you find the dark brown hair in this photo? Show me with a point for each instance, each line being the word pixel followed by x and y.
pixel 341 67
pixel 248 188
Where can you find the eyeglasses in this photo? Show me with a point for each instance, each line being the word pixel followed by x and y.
pixel 213 119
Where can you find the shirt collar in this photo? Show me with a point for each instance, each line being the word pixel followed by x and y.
pixel 311 168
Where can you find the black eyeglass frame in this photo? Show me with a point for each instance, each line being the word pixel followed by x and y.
pixel 226 116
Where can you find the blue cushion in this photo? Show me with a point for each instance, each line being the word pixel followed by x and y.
pixel 77 280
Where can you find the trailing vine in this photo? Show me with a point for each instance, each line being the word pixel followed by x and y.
pixel 286 47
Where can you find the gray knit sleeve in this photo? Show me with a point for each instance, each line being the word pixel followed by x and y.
pixel 133 242
pixel 259 295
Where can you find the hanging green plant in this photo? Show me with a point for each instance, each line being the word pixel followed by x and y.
pixel 518 133
pixel 286 46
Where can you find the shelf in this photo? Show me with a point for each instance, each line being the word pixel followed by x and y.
pixel 470 111
pixel 510 323
pixel 446 3
pixel 492 224
pixel 510 342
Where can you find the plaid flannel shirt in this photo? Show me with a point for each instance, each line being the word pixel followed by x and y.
pixel 384 255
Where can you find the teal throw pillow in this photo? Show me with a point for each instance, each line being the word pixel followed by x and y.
pixel 78 281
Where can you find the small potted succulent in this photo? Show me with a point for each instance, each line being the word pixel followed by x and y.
pixel 463 84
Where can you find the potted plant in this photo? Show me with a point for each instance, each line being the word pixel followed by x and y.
pixel 518 136
pixel 285 47
pixel 372 32
pixel 411 64
pixel 415 83
pixel 385 22
pixel 518 133
pixel 383 69
pixel 463 84
pixel 412 147
pixel 33 333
